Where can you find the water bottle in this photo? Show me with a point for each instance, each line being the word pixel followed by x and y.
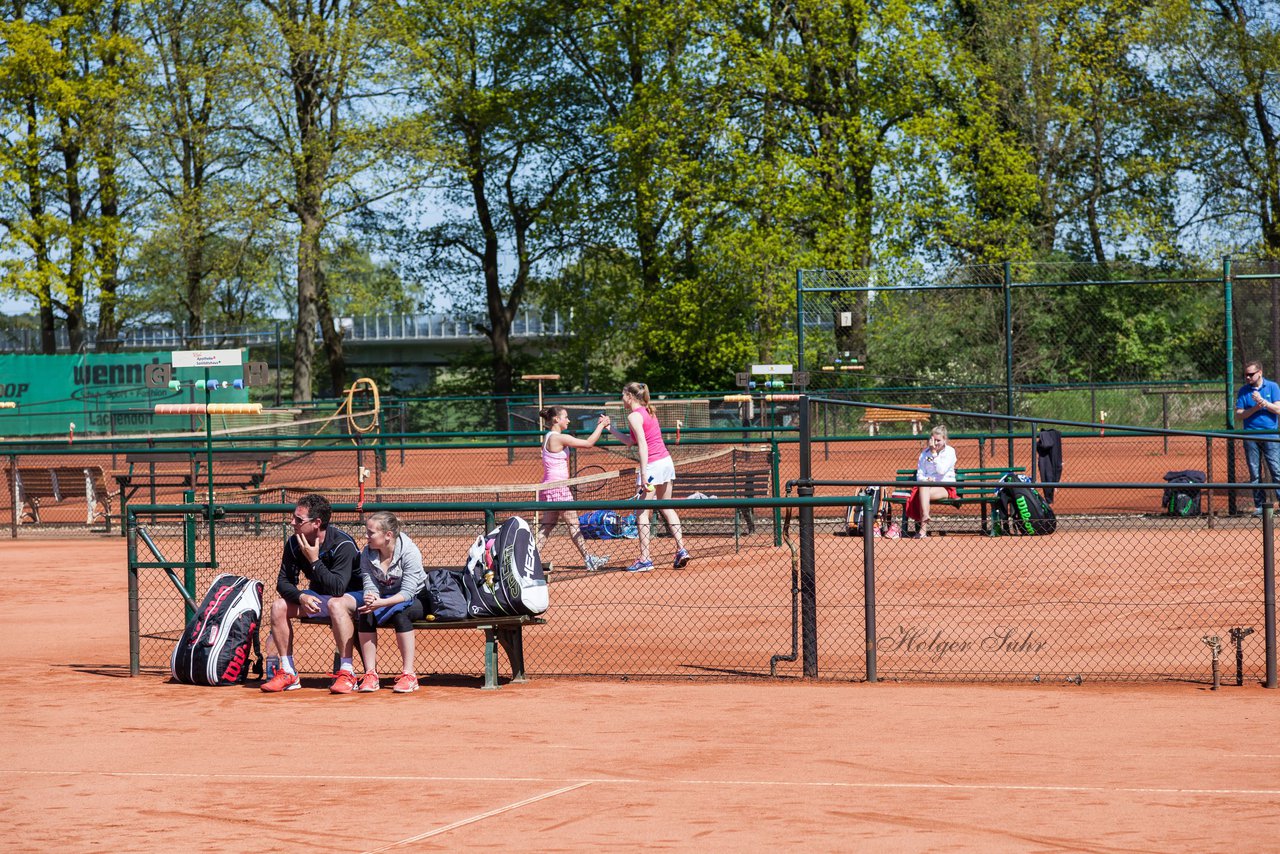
pixel 273 660
pixel 997 522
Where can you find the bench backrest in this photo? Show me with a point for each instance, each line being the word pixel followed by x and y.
pixel 967 480
pixel 58 482
pixel 749 482
pixel 171 460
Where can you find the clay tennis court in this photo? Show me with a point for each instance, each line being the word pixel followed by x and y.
pixel 95 760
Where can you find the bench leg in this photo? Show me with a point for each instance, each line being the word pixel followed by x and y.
pixel 512 641
pixel 490 658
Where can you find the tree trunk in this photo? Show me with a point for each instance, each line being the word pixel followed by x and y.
pixel 108 245
pixel 73 306
pixel 305 329
pixel 331 337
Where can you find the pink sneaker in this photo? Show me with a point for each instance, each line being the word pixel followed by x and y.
pixel 369 683
pixel 345 683
pixel 894 532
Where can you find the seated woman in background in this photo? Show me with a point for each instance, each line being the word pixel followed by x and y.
pixel 937 463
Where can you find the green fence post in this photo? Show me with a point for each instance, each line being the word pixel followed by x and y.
pixel 800 319
pixel 774 493
pixel 189 553
pixel 135 631
pixel 1008 354
pixel 1229 373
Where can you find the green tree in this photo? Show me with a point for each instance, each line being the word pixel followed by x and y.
pixel 67 73
pixel 210 241
pixel 500 124
pixel 1220 71
pixel 329 133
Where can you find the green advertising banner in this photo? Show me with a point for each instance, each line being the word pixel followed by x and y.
pixel 103 394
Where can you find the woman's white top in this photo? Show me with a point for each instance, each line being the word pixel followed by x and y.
pixel 939 467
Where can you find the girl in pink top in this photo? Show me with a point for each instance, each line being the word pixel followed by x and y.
pixel 656 474
pixel 555 466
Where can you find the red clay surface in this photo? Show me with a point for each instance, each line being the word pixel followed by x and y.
pixel 94 760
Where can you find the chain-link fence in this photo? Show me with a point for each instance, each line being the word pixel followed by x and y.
pixel 1105 597
pixel 397 468
pixel 1042 339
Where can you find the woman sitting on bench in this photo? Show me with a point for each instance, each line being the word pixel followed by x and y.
pixel 937 463
pixel 391 569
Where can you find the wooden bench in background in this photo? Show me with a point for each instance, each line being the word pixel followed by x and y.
pixel 171 470
pixel 873 417
pixel 507 632
pixel 30 485
pixel 967 492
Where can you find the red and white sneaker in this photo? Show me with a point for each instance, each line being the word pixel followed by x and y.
pixel 406 684
pixel 345 683
pixel 369 683
pixel 282 681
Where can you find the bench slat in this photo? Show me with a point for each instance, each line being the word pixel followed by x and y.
pixel 31 484
pixel 504 631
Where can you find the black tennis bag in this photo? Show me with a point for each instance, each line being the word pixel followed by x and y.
pixel 445 596
pixel 214 648
pixel 881 513
pixel 504 572
pixel 1024 509
pixel 1182 500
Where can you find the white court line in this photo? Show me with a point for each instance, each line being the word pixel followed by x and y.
pixel 632 781
pixel 473 819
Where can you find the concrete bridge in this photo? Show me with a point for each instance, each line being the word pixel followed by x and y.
pixel 423 340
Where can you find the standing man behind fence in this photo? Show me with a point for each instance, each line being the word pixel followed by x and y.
pixel 1258 403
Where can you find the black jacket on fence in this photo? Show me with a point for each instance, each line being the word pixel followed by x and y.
pixel 1049 460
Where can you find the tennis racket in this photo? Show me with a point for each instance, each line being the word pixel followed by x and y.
pixel 585 491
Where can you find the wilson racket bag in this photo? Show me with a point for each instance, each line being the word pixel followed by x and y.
pixel 504 572
pixel 214 648
pixel 1024 509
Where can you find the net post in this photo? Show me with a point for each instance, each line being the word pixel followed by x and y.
pixel 808 578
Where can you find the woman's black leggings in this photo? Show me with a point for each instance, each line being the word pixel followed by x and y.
pixel 401 620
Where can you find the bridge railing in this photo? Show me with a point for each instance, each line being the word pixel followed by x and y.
pixel 367 328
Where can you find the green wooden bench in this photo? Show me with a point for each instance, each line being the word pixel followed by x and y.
pixel 170 470
pixel 507 632
pixel 968 491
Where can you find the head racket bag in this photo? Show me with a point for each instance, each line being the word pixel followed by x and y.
pixel 504 574
pixel 214 648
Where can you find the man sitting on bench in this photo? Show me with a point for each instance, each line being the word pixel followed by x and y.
pixel 330 560
pixel 937 463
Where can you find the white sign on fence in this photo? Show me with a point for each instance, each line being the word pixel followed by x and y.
pixel 205 358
